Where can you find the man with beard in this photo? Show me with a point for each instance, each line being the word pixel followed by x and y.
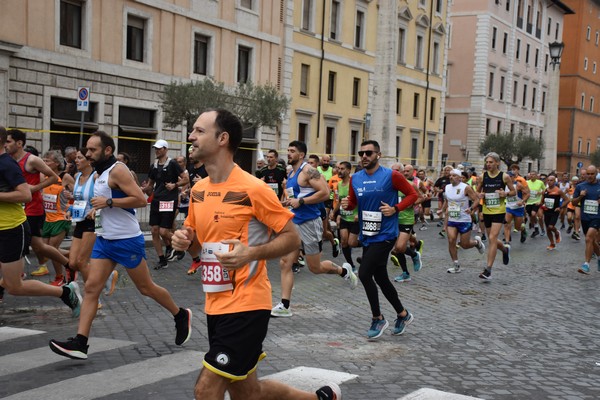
pixel 378 209
pixel 348 225
pixel 587 194
pixel 273 174
pixel 439 188
pixel 306 188
pixel 119 241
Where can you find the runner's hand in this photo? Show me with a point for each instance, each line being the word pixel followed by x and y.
pixel 387 210
pixel 182 238
pixel 238 257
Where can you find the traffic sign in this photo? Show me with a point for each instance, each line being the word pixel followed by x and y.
pixel 83 98
pixel 579 164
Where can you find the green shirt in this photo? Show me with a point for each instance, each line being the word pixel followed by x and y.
pixel 406 216
pixel 346 215
pixel 536 189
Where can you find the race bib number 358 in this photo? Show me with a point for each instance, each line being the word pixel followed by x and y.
pixel 215 278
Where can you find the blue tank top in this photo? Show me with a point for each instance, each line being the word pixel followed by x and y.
pixel 370 191
pixel 306 212
pixel 82 195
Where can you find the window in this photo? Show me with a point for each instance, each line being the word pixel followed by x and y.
pixel 533 98
pixel 527 48
pixel 592 104
pixel 398 101
pixel 401 45
pixel 579 145
pixel 524 95
pixel 359 29
pixel 488 122
pixel 512 128
pixel 70 24
pixel 585 63
pixel 556 31
pixel 397 146
pixel 543 101
pixel 135 38
pixel 491 85
pixel 588 34
pixel 432 106
pixel 307 15
pixel 302 130
pixel 304 79
pixel 416 105
pixel 331 86
pixel 356 92
pixel 587 147
pixel 549 26
pixel 419 50
pixel 499 126
pixel 582 101
pixel 502 79
pixel 537 57
pixel 414 148
pixel 546 63
pixel 438 6
pixel 430 152
pixel 515 87
pixel 353 141
pixel 201 44
pixel 329 139
pixel 494 33
pixel 597 37
pixel 594 67
pixel 518 52
pixel 436 58
pixel 244 60
pixel 246 4
pixel 507 5
pixel 505 43
pixel 335 15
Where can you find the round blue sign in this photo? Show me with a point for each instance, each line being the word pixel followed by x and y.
pixel 83 94
pixel 579 164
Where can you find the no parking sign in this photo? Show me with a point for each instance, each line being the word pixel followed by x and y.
pixel 83 98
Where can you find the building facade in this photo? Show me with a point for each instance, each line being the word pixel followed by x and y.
pixel 126 51
pixel 579 115
pixel 499 75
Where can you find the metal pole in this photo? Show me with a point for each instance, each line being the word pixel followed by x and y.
pixel 81 130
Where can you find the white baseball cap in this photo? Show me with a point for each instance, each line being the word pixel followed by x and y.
pixel 161 144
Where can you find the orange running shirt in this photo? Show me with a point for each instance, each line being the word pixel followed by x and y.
pixel 55 202
pixel 244 208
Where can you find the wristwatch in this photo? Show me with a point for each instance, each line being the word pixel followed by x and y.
pixel 301 202
pixel 109 203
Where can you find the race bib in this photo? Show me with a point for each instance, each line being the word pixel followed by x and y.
pixel 590 207
pixel 511 201
pixel 492 200
pixel 49 202
pixel 533 193
pixel 78 211
pixel 275 187
pixel 215 278
pixel 371 223
pixel 453 210
pixel 166 206
pixel 290 192
pixel 549 203
pixel 98 223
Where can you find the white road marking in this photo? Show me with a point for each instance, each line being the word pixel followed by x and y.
pixel 432 394
pixel 8 333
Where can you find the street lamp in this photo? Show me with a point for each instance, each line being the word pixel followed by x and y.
pixel 556 50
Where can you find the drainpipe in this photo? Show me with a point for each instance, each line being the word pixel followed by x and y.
pixel 321 72
pixel 427 74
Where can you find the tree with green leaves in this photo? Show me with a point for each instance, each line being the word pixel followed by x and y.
pixel 255 105
pixel 595 157
pixel 513 148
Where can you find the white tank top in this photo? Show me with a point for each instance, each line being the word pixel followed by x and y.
pixel 116 222
pixel 458 202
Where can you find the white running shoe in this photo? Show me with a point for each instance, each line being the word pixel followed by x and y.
pixel 280 311
pixel 350 276
pixel 480 245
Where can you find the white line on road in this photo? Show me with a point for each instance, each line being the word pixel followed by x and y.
pixel 22 361
pixel 8 333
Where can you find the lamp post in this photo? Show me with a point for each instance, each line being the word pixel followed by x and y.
pixel 556 49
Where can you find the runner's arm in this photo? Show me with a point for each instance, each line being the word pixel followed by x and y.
pixel 120 178
pixel 400 183
pixel 21 194
pixel 35 163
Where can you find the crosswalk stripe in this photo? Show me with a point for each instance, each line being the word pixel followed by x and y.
pixel 111 381
pixel 433 394
pixel 22 361
pixel 9 333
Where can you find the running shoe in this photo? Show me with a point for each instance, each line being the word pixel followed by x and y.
pixel 558 237
pixel 161 265
pixel 536 232
pixel 506 254
pixel 395 260
pixel 486 275
pixel 584 269
pixel 420 245
pixel 562 226
pixel 280 311
pixel 350 276
pixel 70 274
pixel 59 280
pixel 551 247
pixel 74 300
pixel 336 247
pixel 523 235
pixel 404 277
pixel 296 268
pixel 569 229
pixel 454 270
pixel 301 260
pixel 194 267
pixel 442 234
pixel 483 237
pixel 331 391
pixel 440 223
pixel 401 324
pixel 72 348
pixel 575 236
pixel 170 253
pixel 480 246
pixel 183 326
pixel 423 228
pixel 41 271
pixel 417 262
pixel 542 233
pixel 377 328
pixel 111 283
pixel 177 255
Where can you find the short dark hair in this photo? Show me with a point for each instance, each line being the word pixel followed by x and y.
pixel 3 135
pixel 301 146
pixel 274 152
pixel 347 165
pixel 514 166
pixel 226 121
pixel 32 150
pixel 105 140
pixel 314 157
pixel 373 142
pixel 126 157
pixel 17 135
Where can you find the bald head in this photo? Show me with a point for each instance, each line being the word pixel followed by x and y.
pixel 591 173
pixel 397 167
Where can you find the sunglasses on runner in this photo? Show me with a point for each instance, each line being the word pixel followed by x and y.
pixel 368 153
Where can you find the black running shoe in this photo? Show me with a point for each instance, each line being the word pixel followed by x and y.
pixel 486 275
pixel 161 265
pixel 336 247
pixel 506 254
pixel 179 255
pixel 183 325
pixel 523 235
pixel 295 268
pixel 72 348
pixel 575 236
pixel 569 229
pixel 329 392
pixel 535 232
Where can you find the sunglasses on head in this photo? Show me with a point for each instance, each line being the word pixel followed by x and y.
pixel 368 153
